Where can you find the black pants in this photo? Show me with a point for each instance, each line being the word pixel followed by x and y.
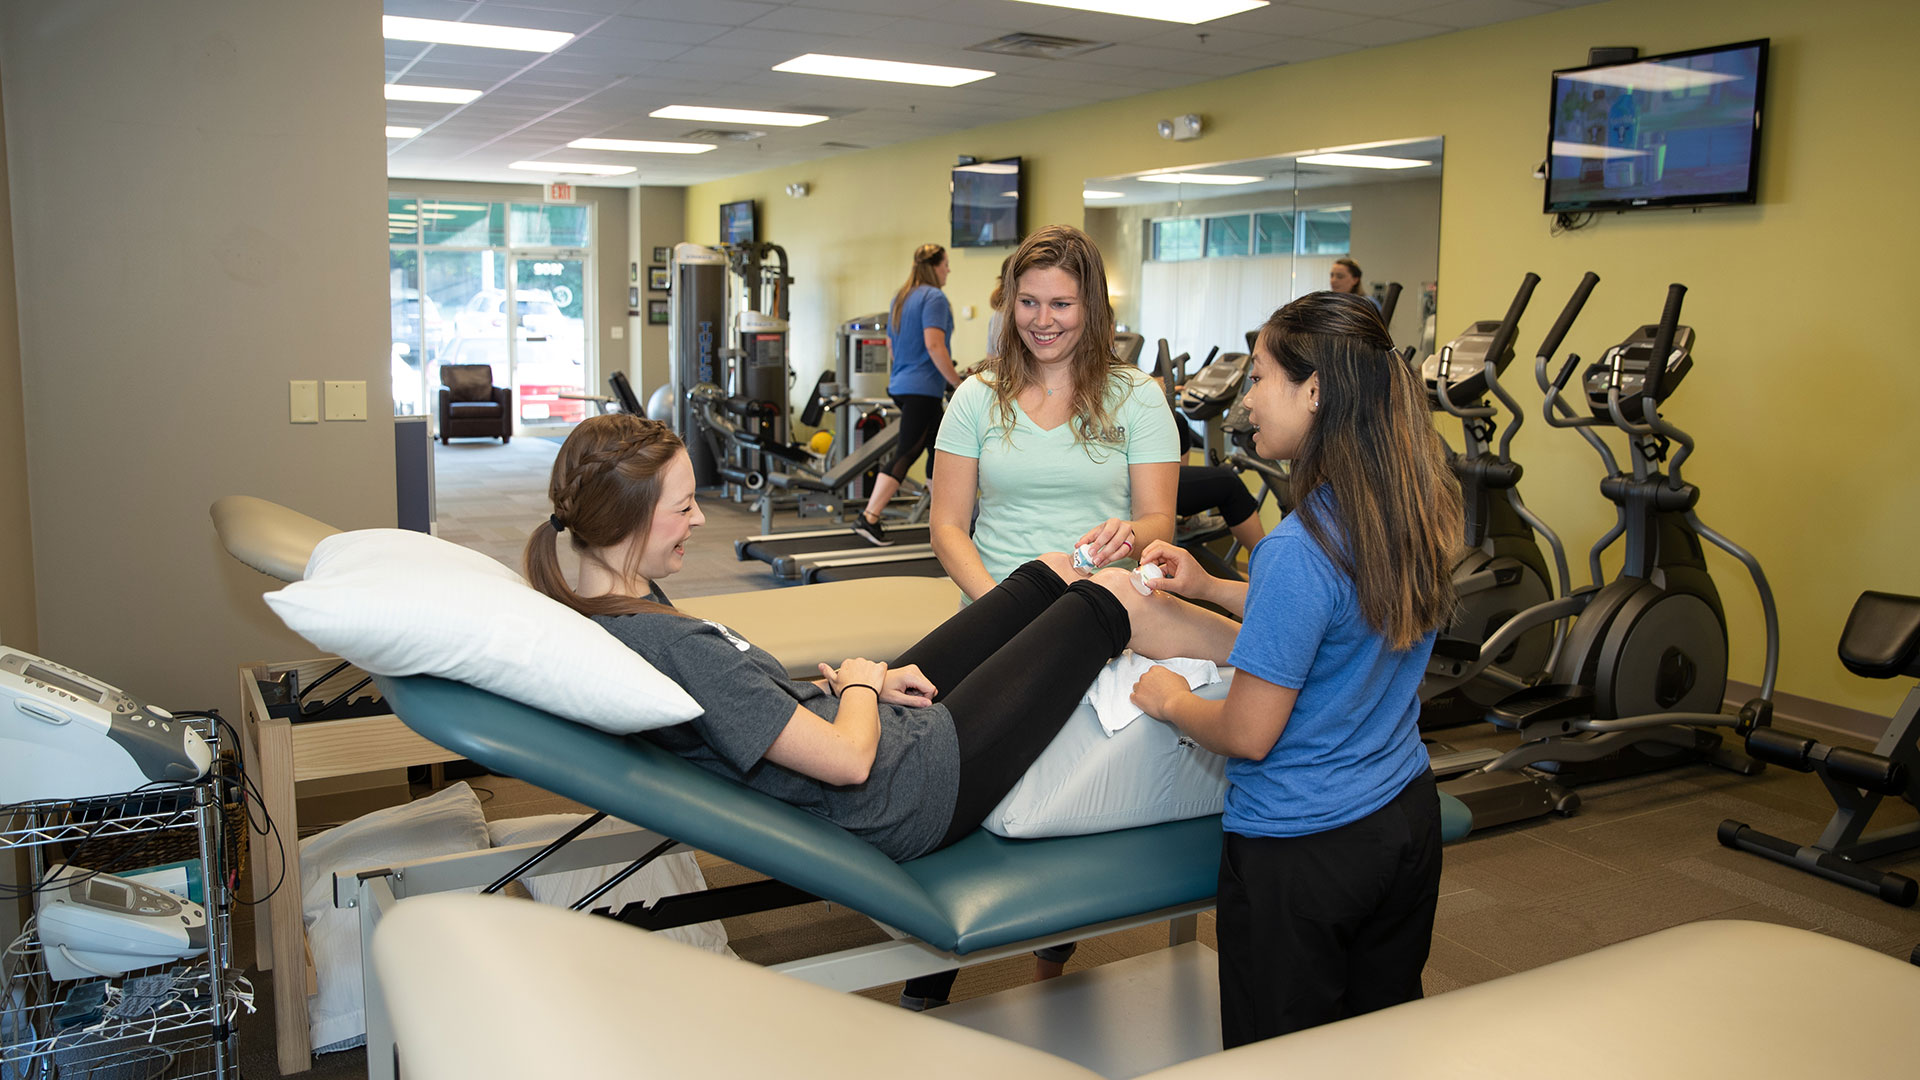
pixel 1011 667
pixel 919 426
pixel 1208 487
pixel 1322 927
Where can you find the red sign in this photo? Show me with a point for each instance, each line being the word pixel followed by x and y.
pixel 559 191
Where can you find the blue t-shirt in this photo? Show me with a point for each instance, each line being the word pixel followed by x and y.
pixel 925 309
pixel 1353 740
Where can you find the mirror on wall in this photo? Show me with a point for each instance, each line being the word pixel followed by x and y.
pixel 1202 254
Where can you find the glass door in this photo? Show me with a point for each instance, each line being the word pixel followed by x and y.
pixel 549 338
pixel 469 290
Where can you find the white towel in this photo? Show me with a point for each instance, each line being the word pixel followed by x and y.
pixel 1112 692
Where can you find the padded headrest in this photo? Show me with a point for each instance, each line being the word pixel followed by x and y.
pixel 267 536
pixel 468 382
pixel 1882 636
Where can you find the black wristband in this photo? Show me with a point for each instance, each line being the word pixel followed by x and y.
pixel 861 686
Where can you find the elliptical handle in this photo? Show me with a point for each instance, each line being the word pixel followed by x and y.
pixel 1569 313
pixel 1389 302
pixel 1663 342
pixel 1510 326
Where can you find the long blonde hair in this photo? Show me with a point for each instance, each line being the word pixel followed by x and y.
pixel 925 258
pixel 1014 369
pixel 604 487
pixel 1394 521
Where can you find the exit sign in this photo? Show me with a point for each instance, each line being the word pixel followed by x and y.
pixel 559 191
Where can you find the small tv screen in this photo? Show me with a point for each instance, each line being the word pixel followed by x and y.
pixel 986 203
pixel 736 222
pixel 1662 131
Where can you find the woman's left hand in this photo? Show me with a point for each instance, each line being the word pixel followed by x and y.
pixel 1157 689
pixel 907 686
pixel 1111 539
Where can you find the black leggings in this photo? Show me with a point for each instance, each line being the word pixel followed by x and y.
pixel 1206 487
pixel 919 424
pixel 1011 667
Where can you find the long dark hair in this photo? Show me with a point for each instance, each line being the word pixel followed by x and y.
pixel 1373 445
pixel 925 258
pixel 1014 368
pixel 604 487
pixel 1354 269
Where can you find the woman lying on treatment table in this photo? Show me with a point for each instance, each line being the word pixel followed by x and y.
pixel 911 755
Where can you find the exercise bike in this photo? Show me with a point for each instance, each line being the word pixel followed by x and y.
pixel 1639 680
pixel 1881 641
pixel 1502 570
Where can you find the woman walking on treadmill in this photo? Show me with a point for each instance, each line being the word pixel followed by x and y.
pixel 1330 870
pixel 919 334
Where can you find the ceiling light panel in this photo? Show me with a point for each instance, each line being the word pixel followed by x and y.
pixel 641 146
pixel 736 116
pixel 1218 179
pixel 1179 11
pixel 854 67
pixel 582 167
pixel 446 95
pixel 1362 161
pixel 395 131
pixel 478 35
pixel 1096 195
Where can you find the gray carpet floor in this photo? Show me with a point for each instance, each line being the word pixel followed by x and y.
pixel 1640 855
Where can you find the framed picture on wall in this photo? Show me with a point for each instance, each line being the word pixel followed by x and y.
pixel 656 313
pixel 660 254
pixel 658 280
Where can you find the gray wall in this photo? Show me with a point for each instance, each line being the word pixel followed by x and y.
pixel 18 625
pixel 194 205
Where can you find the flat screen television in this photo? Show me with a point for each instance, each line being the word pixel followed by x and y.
pixel 1681 129
pixel 737 223
pixel 986 203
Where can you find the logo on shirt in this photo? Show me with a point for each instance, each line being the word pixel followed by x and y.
pixel 1112 436
pixel 733 639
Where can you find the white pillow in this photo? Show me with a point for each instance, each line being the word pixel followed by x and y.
pixel 447 822
pixel 1086 781
pixel 396 602
pixel 668 875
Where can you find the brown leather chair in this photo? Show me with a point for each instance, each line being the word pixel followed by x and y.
pixel 471 407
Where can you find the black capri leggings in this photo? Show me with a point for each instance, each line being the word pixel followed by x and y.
pixel 1011 667
pixel 919 426
pixel 1205 487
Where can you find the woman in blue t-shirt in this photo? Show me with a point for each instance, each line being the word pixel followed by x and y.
pixel 920 336
pixel 1330 870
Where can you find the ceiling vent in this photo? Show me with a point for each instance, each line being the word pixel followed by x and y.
pixel 1038 46
pixel 724 135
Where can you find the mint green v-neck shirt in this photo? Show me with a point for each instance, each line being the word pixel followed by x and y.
pixel 1040 491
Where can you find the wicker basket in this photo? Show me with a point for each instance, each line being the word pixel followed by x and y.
pixel 155 847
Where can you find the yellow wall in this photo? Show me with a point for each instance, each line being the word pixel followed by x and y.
pixel 18 623
pixel 1802 395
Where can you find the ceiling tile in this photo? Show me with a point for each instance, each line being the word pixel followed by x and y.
pixel 1466 13
pixel 532 18
pixel 1382 32
pixel 625 28
pixel 720 12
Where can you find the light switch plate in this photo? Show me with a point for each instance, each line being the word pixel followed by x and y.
pixel 303 398
pixel 346 400
pixel 618 332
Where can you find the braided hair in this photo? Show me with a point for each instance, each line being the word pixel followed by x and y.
pixel 604 487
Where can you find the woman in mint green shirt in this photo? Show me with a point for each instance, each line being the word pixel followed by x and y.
pixel 1062 444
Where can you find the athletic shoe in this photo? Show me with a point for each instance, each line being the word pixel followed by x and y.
pixel 920 1004
pixel 871 531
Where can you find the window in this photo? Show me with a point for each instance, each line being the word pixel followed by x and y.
pixel 1326 230
pixel 1176 240
pixel 1227 235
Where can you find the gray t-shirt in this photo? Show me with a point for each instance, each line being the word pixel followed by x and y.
pixel 906 804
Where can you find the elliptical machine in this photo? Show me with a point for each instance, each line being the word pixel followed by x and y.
pixel 1502 570
pixel 1638 682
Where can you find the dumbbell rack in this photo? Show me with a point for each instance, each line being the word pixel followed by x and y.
pixel 189 1038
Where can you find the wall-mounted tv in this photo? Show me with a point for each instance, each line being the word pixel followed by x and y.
pixel 1681 129
pixel 986 203
pixel 737 224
